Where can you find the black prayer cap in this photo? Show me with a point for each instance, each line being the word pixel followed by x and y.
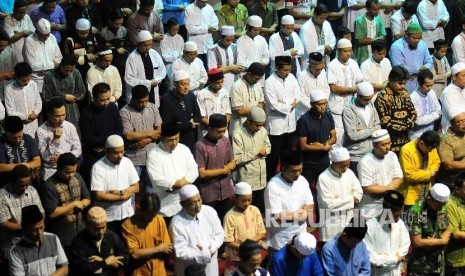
pixel 31 215
pixel 217 121
pixel 256 69
pixel 13 124
pixel 283 60
pixel 315 57
pixel 169 129
pixel 393 200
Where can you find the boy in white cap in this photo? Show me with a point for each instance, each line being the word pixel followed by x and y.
pixel 196 233
pixel 360 119
pixel 243 222
pixel 114 183
pixel 452 95
pixel 298 257
pixel 378 171
pixel 338 193
pixel 145 66
pixel 343 76
pixel 286 42
pixel 42 52
pixel 192 64
pixel 429 232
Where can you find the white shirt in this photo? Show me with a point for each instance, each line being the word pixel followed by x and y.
pixel 335 195
pixel 399 23
pixel 107 176
pixel 197 23
pixel 250 50
pixel 164 169
pixel 384 243
pixel 22 101
pixel 11 26
pixel 276 48
pixel 188 232
pixel 171 49
pixel 197 71
pixel 7 63
pixel 309 39
pixel 452 97
pixel 301 7
pixel 41 56
pixel 372 170
pixel 308 83
pixel 429 15
pixel 229 78
pixel 428 111
pixel 458 48
pixel 374 72
pixel 281 196
pixel 279 96
pixel 110 76
pixel 387 17
pixel 353 14
pixel 211 103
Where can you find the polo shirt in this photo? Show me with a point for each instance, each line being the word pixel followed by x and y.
pixel 455 251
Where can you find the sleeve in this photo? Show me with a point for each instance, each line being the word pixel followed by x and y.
pixel 97 180
pixel 133 175
pixel 425 19
pixel 36 199
pixel 75 142
pixel 131 76
pixel 354 131
pixel 47 88
pixel 16 263
pixel 327 199
pixel 229 226
pixel 298 45
pixel 200 155
pixel 457 51
pixel 5 213
pixel 272 100
pixel 330 37
pixel 2 111
pixel 236 99
pixel 427 60
pixel 183 251
pixel 10 105
pixel 328 261
pixel 79 88
pixel 448 70
pixel 404 240
pixel 260 222
pixel 241 154
pixel 272 48
pixel 89 138
pixel 242 52
pixel 129 237
pixel 332 74
pixel 120 249
pixel 265 53
pixel 159 73
pixel 190 17
pixel 273 200
pixel 62 259
pixel 426 119
pixel 203 77
pixel 50 198
pixel 378 260
pixel 357 190
pixel 211 59
pixel 380 29
pixel 359 28
pixel 365 174
pixel 304 99
pixel 317 270
pixel 118 85
pixel 396 26
pixel 44 145
pixel 384 111
pixel 85 194
pixel 396 56
pixel 277 266
pixel 132 30
pixel 192 172
pixel 365 268
pixel 218 233
pixel 38 101
pixel 81 259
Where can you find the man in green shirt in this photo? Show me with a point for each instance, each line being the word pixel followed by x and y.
pixel 234 14
pixel 267 12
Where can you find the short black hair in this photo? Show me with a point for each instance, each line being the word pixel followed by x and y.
pixel 172 22
pixel 4 35
pixel 150 203
pixel 320 8
pixel 357 228
pixel 378 45
pixel 398 73
pixel 116 14
pixel 19 4
pixel 409 7
pixel 139 91
pixel 459 180
pixel 431 138
pixel 18 172
pixel 50 1
pixel 147 3
pixel 100 88
pixel 249 248
pixel 66 159
pixel 423 75
pixel 22 69
pixel 342 31
pixel 369 2
pixel 53 104
pixel 291 158
pixel 69 60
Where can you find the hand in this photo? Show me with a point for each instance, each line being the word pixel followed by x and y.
pixel 199 247
pixel 78 204
pixel 226 170
pixel 142 143
pixel 294 104
pixel 302 214
pixel 91 57
pixel 121 51
pixel 328 50
pixel 165 248
pixel 211 30
pixel 157 37
pixel 433 173
pixel 356 202
pixel 9 75
pixel 57 133
pixel 114 261
pixel 400 258
pixel 53 26
pixel 95 31
pixel 95 258
pixel 70 98
pixel 155 134
pixel 26 33
pixel 154 83
pixel 293 52
pixel 32 116
pixel 262 152
pixel 211 251
pixel 327 146
pixel 194 124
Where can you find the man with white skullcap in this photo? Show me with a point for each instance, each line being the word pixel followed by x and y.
pixel 97 248
pixel 114 183
pixel 42 52
pixel 18 25
pixel 145 66
pixel 82 9
pixel 452 96
pixel 244 221
pixel 343 77
pixel 376 69
pixel 338 193
pixel 196 232
pixel 54 13
pixel 360 119
pixel 286 42
pixel 378 171
pixel 223 55
pixel 429 231
pixel 298 257
pixel 192 64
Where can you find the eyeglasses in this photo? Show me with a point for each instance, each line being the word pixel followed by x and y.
pixel 460 122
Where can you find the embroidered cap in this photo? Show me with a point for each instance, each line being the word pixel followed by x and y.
pixel 96 215
pixel 440 192
pixel 305 243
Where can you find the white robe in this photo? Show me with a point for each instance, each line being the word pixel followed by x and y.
pixel 12 26
pixel 458 48
pixel 309 39
pixel 429 15
pixel 110 76
pixel 452 97
pixel 196 69
pixel 276 48
pixel 197 23
pixel 252 50
pixel 308 83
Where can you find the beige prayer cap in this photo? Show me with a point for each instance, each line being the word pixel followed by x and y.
pixel 339 154
pixel 43 26
pixel 305 243
pixel 82 24
pixel 96 215
pixel 181 75
pixel 114 141
pixel 457 68
pixel 257 114
pixel 365 89
pixel 379 135
pixel 190 46
pixel 287 20
pixel 227 30
pixel 188 191
pixel 440 192
pixel 344 43
pixel 144 35
pixel 455 111
pixel 242 188
pixel 254 21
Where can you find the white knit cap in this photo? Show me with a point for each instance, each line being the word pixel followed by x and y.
pixel 458 67
pixel 318 95
pixel 114 141
pixel 188 191
pixel 440 192
pixel 365 89
pixel 254 21
pixel 454 111
pixel 190 46
pixel 43 26
pixel 227 30
pixel 344 43
pixel 181 75
pixel 242 188
pixel 379 135
pixel 82 24
pixel 305 243
pixel 287 20
pixel 339 154
pixel 144 35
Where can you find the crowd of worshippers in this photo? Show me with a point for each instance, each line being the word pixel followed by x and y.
pixel 276 138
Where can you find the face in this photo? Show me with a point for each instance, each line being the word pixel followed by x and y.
pixel 441 52
pixel 320 19
pixel 217 85
pixel 146 11
pixel 293 172
pixel 147 216
pixel 3 45
pixel 190 56
pixel 397 86
pixel 341 167
pixel 21 185
pixel 103 100
pixel 97 230
pixel 42 37
pixel 182 87
pixel 171 142
pixel 173 30
pixel 345 54
pixel 243 201
pixel 459 79
pixel 116 23
pixel 320 106
pixel 23 80
pixel 82 3
pixel 68 172
pixel 192 205
pixel 216 133
pixel 254 31
pixel 287 29
pixel 373 10
pixel 233 3
pixel 364 100
pixel 378 56
pixel 458 123
pixel 50 7
pixel 426 86
pixel 434 204
pixel 255 126
pixel 316 69
pixel 140 104
pixel 115 155
pixel 57 116
pixel 227 40
pixel 145 46
pixel 66 70
pixel 83 33
pixel 201 3
pixel 351 242
pixel 251 265
pixel 252 79
pixel 383 147
pixel 105 61
pixel 283 71
pixel 413 39
pixel 19 13
pixel 35 232
pixel 14 138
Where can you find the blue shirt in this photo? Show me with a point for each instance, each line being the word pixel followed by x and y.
pixel 284 263
pixel 7 6
pixel 171 9
pixel 411 59
pixel 338 260
pixel 57 16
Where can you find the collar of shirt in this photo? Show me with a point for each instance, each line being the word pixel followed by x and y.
pixel 333 172
pixel 279 78
pixel 239 273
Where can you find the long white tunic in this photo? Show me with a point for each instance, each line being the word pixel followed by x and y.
pixel 279 96
pixel 452 97
pixel 252 50
pixel 399 23
pixel 22 101
pixel 372 170
pixel 171 49
pixel 196 69
pixel 164 169
pixel 309 39
pixel 429 15
pixel 387 16
pixel 12 26
pixel 197 23
pixel 308 83
pixel 428 111
pixel 458 48
pixel 276 48
pixel 188 233
pixel 110 76
pixel 374 72
pixel 211 103
pixel 335 195
pixel 384 243
pixel 229 77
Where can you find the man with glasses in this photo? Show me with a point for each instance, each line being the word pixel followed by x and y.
pixel 452 95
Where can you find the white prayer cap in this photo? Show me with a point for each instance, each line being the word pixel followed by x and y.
pixel 242 188
pixel 190 46
pixel 96 215
pixel 455 111
pixel 227 30
pixel 318 95
pixel 379 135
pixel 287 20
pixel 43 26
pixel 440 192
pixel 458 67
pixel 305 243
pixel 181 75
pixel 188 191
pixel 114 141
pixel 344 43
pixel 365 89
pixel 257 114
pixel 82 24
pixel 339 154
pixel 144 35
pixel 254 21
